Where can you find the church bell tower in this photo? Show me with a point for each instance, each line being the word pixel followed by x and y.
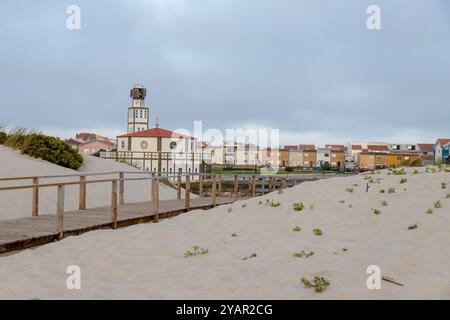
pixel 138 114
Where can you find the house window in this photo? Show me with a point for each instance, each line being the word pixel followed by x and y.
pixel 173 145
pixel 123 144
pixel 326 155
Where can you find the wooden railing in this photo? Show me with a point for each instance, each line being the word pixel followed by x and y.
pixel 118 189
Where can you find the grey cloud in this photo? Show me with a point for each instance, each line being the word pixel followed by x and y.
pixel 301 66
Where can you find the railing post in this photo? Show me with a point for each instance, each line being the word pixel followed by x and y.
pixel 187 188
pixel 200 185
pixel 114 204
pixel 236 187
pixel 121 188
pixel 283 183
pixel 219 186
pixel 213 191
pixel 270 184
pixel 35 210
pixel 179 187
pixel 82 202
pixel 253 186
pixel 155 199
pixel 60 212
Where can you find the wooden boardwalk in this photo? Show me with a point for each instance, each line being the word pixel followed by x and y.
pixel 27 232
pixel 40 228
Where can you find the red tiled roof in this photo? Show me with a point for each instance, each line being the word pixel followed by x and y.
pixel 377 148
pixel 155 133
pixel 335 146
pixel 306 147
pixel 426 147
pixel 442 141
pixel 106 142
pixel 290 148
pixel 356 147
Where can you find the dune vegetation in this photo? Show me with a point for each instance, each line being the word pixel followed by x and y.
pixel 38 145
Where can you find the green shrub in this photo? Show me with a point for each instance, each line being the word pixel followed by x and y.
pixel 3 137
pixel 274 204
pixel 391 190
pixel 317 232
pixel 320 284
pixel 53 150
pixel 350 190
pixel 47 148
pixel 376 211
pixel 196 251
pixel 296 229
pixel 438 204
pixel 298 206
pixel 18 138
pixel 429 211
pixel 303 254
pixel 399 172
pixel 403 180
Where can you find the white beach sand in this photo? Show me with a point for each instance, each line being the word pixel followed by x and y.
pixel 147 261
pixel 17 203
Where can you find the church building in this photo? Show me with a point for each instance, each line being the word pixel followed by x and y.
pixel 154 149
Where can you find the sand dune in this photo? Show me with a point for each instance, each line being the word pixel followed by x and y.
pixel 147 261
pixel 17 203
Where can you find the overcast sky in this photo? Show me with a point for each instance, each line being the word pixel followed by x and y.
pixel 309 68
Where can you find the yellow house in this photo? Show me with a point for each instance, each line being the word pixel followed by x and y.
pixel 404 159
pixel 337 158
pixel 284 158
pixel 374 160
pixel 309 158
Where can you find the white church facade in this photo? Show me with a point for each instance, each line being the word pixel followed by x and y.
pixel 155 149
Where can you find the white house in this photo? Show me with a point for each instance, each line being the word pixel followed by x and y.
pixel 323 156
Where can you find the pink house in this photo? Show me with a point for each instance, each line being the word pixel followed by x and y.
pixel 91 147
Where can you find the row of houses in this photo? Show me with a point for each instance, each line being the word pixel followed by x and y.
pixel 363 155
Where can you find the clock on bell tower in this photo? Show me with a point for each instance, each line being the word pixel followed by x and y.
pixel 138 114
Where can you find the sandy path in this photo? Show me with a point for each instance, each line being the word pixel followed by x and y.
pixel 147 261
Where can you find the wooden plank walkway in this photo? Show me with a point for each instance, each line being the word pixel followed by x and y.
pixel 27 232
